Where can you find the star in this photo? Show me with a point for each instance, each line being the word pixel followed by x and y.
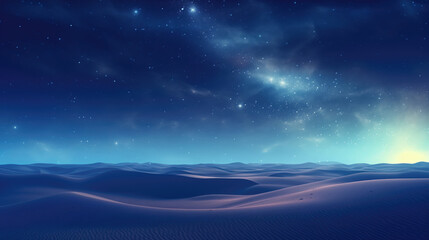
pixel 116 143
pixel 240 105
pixel 15 127
pixel 192 9
pixel 136 11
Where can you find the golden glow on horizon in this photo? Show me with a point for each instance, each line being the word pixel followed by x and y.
pixel 410 156
pixel 407 141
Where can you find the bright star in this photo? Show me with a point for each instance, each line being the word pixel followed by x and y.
pixel 240 105
pixel 116 143
pixel 15 127
pixel 192 9
pixel 136 11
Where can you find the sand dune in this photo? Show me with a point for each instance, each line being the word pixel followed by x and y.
pixel 138 201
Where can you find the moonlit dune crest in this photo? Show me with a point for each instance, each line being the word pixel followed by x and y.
pixel 208 201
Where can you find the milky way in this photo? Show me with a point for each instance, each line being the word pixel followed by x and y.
pixel 214 81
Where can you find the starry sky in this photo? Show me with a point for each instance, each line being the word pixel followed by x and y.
pixel 187 82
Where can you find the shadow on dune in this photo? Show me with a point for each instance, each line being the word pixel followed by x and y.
pixel 162 185
pixel 131 183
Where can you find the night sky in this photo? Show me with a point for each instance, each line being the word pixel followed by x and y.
pixel 214 81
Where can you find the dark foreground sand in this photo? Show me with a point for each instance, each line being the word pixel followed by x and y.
pixel 233 201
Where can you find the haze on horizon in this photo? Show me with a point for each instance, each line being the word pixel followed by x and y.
pixel 214 82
